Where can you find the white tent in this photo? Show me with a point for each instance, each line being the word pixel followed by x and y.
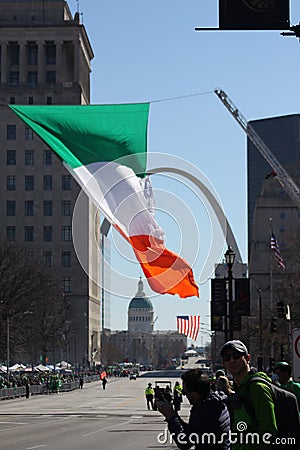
pixel 3 369
pixel 64 365
pixel 191 352
pixel 17 368
pixel 41 368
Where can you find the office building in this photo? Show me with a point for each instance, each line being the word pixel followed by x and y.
pixel 45 59
pixel 271 209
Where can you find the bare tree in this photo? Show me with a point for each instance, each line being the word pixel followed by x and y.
pixel 32 302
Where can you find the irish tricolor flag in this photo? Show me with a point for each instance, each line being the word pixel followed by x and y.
pixel 105 148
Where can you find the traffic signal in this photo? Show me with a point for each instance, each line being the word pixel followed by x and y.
pixel 271 364
pixel 281 310
pixel 273 325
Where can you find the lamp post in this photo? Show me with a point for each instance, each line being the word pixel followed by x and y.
pixel 229 258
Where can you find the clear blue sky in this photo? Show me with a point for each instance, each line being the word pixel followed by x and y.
pixel 147 51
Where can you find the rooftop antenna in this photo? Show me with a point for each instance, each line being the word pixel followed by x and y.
pixel 77 1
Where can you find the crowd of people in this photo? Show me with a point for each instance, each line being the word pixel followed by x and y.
pixel 248 412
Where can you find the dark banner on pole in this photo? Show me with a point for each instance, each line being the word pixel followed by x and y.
pixel 242 296
pixel 218 297
pixel 216 323
pixel 236 318
pixel 254 14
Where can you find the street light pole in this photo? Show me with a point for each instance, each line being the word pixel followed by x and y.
pixel 229 258
pixel 7 349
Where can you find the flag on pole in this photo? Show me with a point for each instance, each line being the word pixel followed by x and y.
pixel 275 247
pixel 105 148
pixel 188 325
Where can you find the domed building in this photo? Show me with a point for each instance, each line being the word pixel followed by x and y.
pixel 140 343
pixel 140 312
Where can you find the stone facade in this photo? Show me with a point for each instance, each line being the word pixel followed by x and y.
pixel 45 59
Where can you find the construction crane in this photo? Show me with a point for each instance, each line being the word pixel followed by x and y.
pixel 286 181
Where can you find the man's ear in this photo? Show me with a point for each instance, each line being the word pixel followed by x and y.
pixel 247 358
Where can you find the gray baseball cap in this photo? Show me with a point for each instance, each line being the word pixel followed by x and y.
pixel 237 345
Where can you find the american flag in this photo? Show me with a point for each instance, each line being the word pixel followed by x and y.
pixel 275 247
pixel 188 325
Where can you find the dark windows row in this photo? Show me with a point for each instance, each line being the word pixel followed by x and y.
pixel 31 51
pixel 29 233
pixel 32 78
pixel 12 100
pixel 29 157
pixel 29 208
pixel 29 182
pixel 11 133
pixel 65 259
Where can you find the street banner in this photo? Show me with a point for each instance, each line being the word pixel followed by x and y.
pixel 296 354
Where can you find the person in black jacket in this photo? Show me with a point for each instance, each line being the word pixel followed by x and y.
pixel 209 422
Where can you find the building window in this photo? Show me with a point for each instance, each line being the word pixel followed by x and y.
pixel 66 233
pixel 28 133
pixel 11 132
pixel 29 233
pixel 47 183
pixel 50 77
pixel 49 100
pixel 10 233
pixel 282 215
pixel 66 208
pixel 14 53
pixel 13 78
pixel 47 233
pixel 50 54
pixel 29 182
pixel 66 284
pixel 11 157
pixel 10 208
pixel 12 100
pixel 10 182
pixel 32 54
pixel 30 100
pixel 48 259
pixel 28 207
pixel 66 259
pixel 66 182
pixel 29 157
pixel 47 157
pixel 47 207
pixel 32 78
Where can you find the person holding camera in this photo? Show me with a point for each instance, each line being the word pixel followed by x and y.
pixel 209 423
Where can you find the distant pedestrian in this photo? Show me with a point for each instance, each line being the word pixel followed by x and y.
pixel 168 394
pixel 27 389
pixel 81 382
pixel 149 393
pixel 177 396
pixel 104 382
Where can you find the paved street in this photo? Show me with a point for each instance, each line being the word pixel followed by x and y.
pixel 83 419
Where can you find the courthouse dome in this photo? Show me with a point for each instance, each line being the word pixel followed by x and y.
pixel 140 301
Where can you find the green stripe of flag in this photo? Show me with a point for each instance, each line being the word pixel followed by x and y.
pixel 85 134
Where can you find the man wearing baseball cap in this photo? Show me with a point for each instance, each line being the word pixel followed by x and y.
pixel 284 372
pixel 253 406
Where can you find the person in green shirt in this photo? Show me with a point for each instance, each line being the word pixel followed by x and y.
pixel 284 372
pixel 249 429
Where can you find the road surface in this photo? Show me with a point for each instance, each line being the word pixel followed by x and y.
pixel 91 418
